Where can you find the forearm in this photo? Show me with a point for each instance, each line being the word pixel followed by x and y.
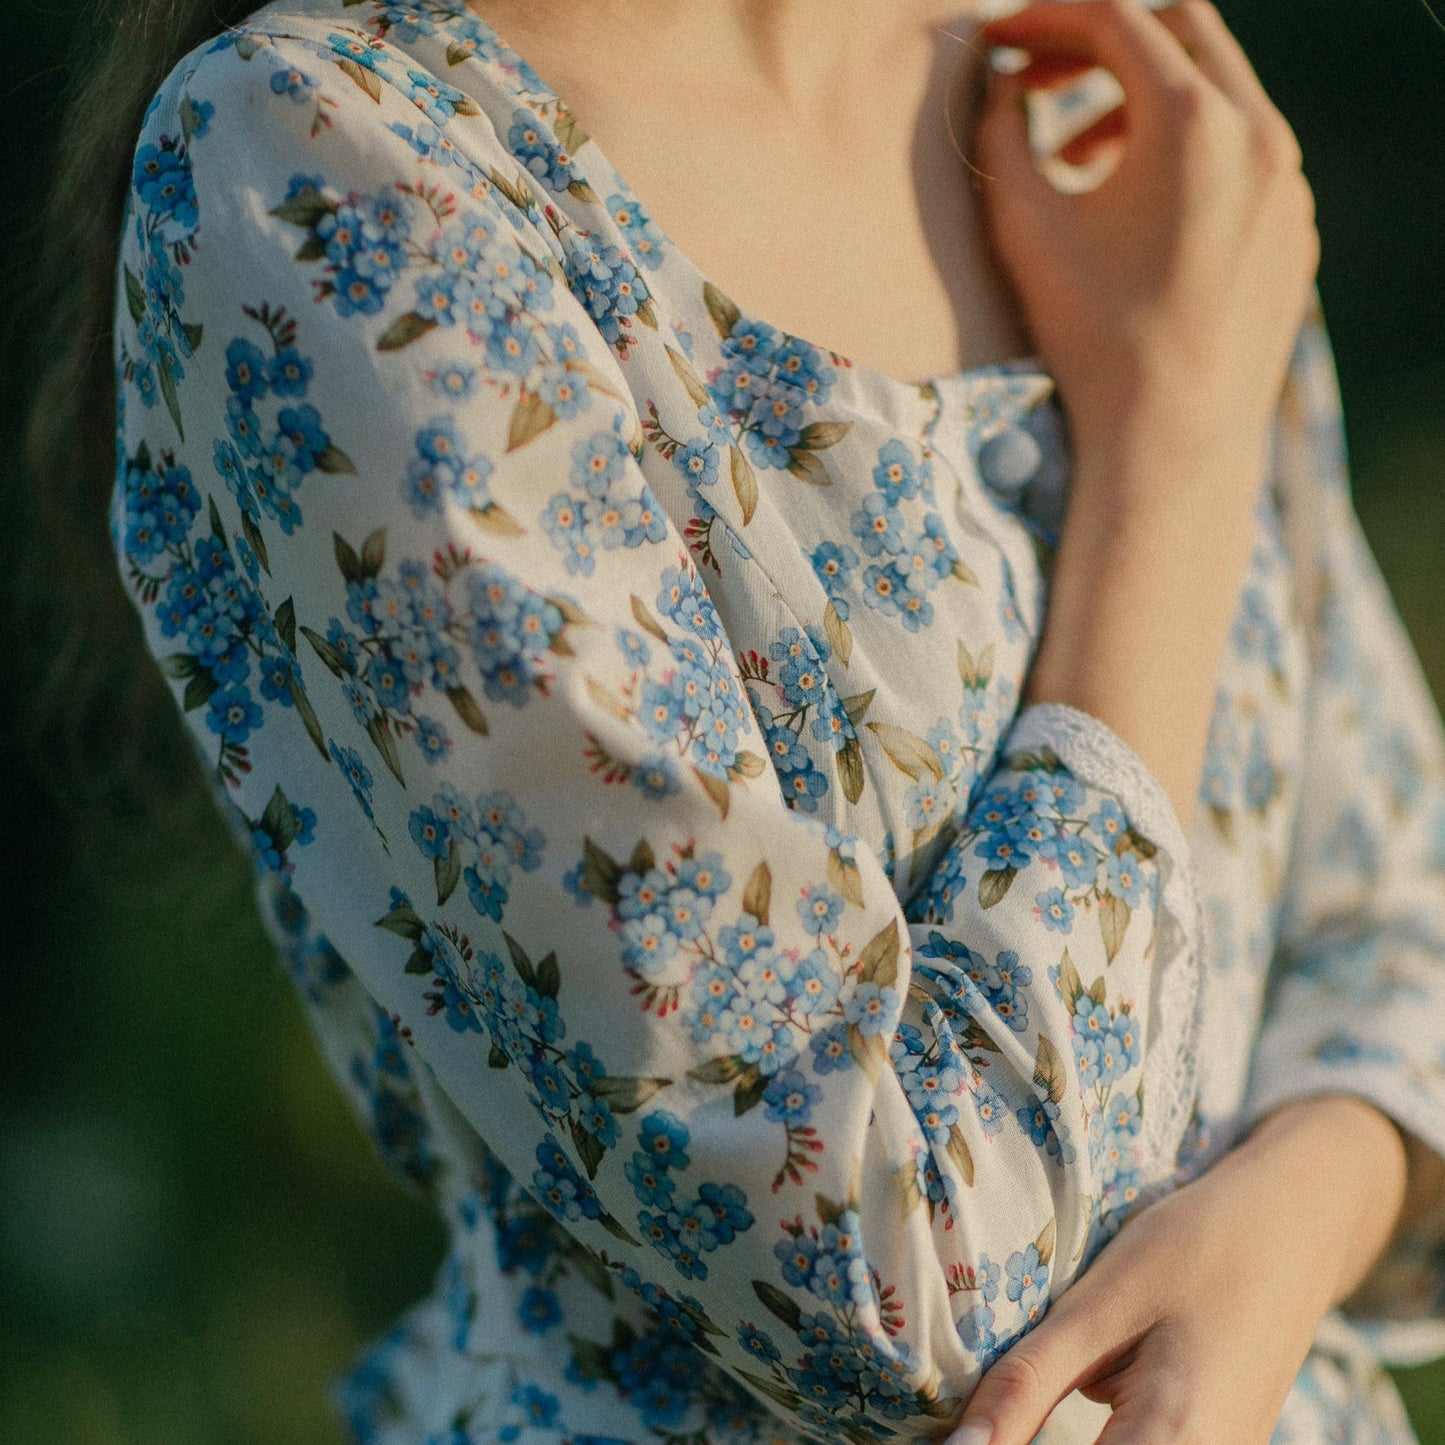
pixel 1141 601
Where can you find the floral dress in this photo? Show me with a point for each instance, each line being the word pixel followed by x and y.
pixel 621 698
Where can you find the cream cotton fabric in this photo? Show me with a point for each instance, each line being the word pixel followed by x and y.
pixel 621 698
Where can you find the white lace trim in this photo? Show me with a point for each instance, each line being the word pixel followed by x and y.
pixel 1097 755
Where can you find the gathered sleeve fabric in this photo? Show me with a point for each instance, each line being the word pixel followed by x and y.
pixel 1356 997
pixel 383 508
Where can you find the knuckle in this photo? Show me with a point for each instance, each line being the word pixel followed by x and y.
pixel 1203 15
pixel 1276 149
pixel 1117 13
pixel 1018 1377
pixel 1307 200
pixel 1281 140
pixel 1186 100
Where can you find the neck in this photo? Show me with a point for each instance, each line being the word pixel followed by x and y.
pixel 803 53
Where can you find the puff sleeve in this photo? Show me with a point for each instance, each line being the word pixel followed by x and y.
pixel 1356 1000
pixel 383 509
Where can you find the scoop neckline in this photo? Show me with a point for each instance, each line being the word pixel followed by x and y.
pixel 533 88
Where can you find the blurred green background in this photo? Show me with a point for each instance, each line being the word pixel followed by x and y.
pixel 194 1235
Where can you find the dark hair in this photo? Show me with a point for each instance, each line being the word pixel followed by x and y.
pixel 99 724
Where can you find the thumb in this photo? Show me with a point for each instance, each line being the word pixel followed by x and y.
pixel 1021 1388
pixel 1087 1336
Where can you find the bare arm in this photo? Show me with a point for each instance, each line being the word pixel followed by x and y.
pixel 1166 304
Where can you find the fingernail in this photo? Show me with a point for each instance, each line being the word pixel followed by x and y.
pixel 976 1432
pixel 1006 61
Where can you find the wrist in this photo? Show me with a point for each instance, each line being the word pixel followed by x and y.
pixel 1159 437
pixel 1344 1165
pixel 1137 620
pixel 1169 476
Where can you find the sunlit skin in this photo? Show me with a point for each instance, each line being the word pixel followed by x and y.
pixel 1165 303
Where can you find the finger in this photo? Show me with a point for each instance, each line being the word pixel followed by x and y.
pixel 1019 1391
pixel 1118 34
pixel 1049 72
pixel 1004 154
pixel 1016 1395
pixel 1146 1418
pixel 1207 40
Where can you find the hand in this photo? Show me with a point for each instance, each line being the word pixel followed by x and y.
pixel 1165 302
pixel 1195 1319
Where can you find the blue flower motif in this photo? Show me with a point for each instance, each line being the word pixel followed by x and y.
pixel 437 100
pixel 293 82
pixel 663 1138
pixel 1109 821
pixel 288 373
pixel 649 944
pixel 539 1310
pixel 560 1188
pixel 657 776
pixel 833 564
pixel 596 1117
pixel 642 234
pixel 539 1410
pixel 511 346
pixel 759 1345
pixel 929 801
pixel 302 437
pixel 233 714
pixel 704 874
pixel 430 833
pixel 432 739
pixel 830 1050
pixel 682 598
pixel 878 526
pixel 640 894
pixel 246 370
pixel 1028 1280
pixel 988 1107
pixel 820 908
pixel 348 47
pixel 975 1329
pixel 1038 1120
pixel 607 284
pixel 356 773
pixel 650 1180
pixel 726 1205
pixel 1055 910
pixel 1261 777
pixel 1078 860
pixel 1122 1116
pixel 814 985
pixel 790 1098
pixel 872 1008
pixel 1126 876
pixel 1126 1039
pixel 896 474
pixel 162 180
pixel 743 942
pixel 698 462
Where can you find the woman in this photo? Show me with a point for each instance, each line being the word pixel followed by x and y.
pixel 800 901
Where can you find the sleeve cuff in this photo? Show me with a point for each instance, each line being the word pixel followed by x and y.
pixel 1097 756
